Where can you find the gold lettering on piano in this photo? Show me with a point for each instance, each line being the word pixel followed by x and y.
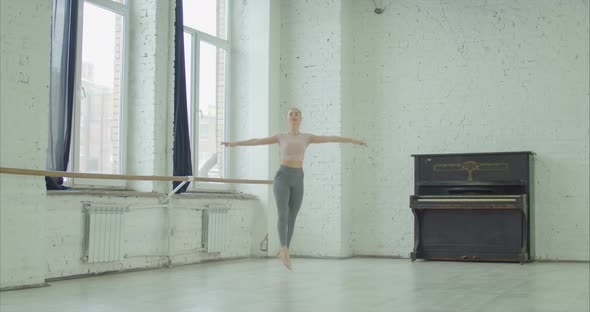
pixel 470 166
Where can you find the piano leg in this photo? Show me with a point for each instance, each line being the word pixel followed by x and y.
pixel 416 234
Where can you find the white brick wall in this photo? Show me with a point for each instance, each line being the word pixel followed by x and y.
pixel 24 93
pixel 472 76
pixel 311 80
pixel 41 236
pixel 145 233
pixel 150 99
pixel 251 103
pixel 436 77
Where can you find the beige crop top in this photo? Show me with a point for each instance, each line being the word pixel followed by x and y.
pixel 293 147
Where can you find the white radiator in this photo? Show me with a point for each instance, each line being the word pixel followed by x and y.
pixel 215 229
pixel 103 227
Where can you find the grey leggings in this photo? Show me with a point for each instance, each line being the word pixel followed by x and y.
pixel 288 190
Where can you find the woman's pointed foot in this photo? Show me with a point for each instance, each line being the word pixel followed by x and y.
pixel 288 261
pixel 284 256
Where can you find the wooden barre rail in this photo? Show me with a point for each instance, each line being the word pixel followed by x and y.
pixel 49 173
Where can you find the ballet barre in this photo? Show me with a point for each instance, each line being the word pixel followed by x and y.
pixel 103 176
pixel 182 179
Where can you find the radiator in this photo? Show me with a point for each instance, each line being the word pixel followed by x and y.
pixel 215 229
pixel 103 232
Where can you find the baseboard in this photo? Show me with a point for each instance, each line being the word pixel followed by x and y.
pixel 382 257
pixel 85 275
pixel 69 277
pixel 560 261
pixel 320 257
pixel 24 287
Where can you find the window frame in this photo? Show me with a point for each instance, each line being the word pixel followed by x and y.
pixel 122 9
pixel 196 38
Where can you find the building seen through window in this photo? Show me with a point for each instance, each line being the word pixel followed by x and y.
pixel 206 53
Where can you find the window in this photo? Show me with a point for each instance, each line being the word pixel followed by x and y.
pixel 207 69
pixel 99 106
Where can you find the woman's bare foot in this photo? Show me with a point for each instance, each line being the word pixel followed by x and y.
pixel 288 260
pixel 284 256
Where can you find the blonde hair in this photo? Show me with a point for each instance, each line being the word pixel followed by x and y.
pixel 294 109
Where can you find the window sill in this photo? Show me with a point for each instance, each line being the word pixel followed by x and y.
pixel 128 193
pixel 215 194
pixel 102 192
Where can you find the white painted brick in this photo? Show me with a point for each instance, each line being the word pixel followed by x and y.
pixel 472 76
pixel 24 93
pixel 311 80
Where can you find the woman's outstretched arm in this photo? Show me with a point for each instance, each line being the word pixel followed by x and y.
pixel 265 141
pixel 336 139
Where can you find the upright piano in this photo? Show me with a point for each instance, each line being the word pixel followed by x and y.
pixel 472 207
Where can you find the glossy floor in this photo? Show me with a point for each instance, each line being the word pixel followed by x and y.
pixel 357 284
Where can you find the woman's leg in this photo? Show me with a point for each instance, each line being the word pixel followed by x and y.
pixel 281 191
pixel 294 204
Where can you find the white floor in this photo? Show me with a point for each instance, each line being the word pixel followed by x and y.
pixel 358 284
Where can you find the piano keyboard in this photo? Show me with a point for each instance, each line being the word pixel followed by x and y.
pixel 465 199
pixel 468 202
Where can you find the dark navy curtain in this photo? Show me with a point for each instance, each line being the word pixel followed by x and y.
pixel 61 91
pixel 182 165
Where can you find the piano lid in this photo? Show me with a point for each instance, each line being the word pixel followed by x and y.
pixel 472 173
pixel 501 168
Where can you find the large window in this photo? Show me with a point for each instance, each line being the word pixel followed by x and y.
pixel 207 54
pixel 99 107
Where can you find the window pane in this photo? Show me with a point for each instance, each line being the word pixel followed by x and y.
pixel 211 113
pixel 208 16
pixel 100 106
